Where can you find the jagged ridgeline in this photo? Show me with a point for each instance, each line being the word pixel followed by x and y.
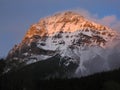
pixel 77 41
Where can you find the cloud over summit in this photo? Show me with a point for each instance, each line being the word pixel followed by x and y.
pixel 109 20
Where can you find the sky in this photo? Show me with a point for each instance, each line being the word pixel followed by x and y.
pixel 16 16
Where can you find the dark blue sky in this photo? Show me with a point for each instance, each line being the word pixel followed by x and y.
pixel 16 16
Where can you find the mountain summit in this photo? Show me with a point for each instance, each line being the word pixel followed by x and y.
pixel 69 35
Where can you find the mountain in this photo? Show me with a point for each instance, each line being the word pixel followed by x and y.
pixel 75 41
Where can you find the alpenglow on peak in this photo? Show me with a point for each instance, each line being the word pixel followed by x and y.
pixel 66 22
pixel 69 35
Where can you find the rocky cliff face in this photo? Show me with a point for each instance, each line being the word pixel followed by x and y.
pixel 68 34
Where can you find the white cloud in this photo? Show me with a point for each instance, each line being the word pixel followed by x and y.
pixel 110 20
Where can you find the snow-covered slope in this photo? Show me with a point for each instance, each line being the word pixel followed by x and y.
pixel 68 34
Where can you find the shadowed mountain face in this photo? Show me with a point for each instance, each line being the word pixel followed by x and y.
pixel 79 43
pixel 35 77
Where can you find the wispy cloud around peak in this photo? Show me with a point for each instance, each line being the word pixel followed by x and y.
pixel 109 20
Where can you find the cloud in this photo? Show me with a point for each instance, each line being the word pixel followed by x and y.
pixel 116 26
pixel 109 20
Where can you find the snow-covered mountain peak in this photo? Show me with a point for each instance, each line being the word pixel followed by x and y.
pixel 72 36
pixel 65 22
pixel 64 30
